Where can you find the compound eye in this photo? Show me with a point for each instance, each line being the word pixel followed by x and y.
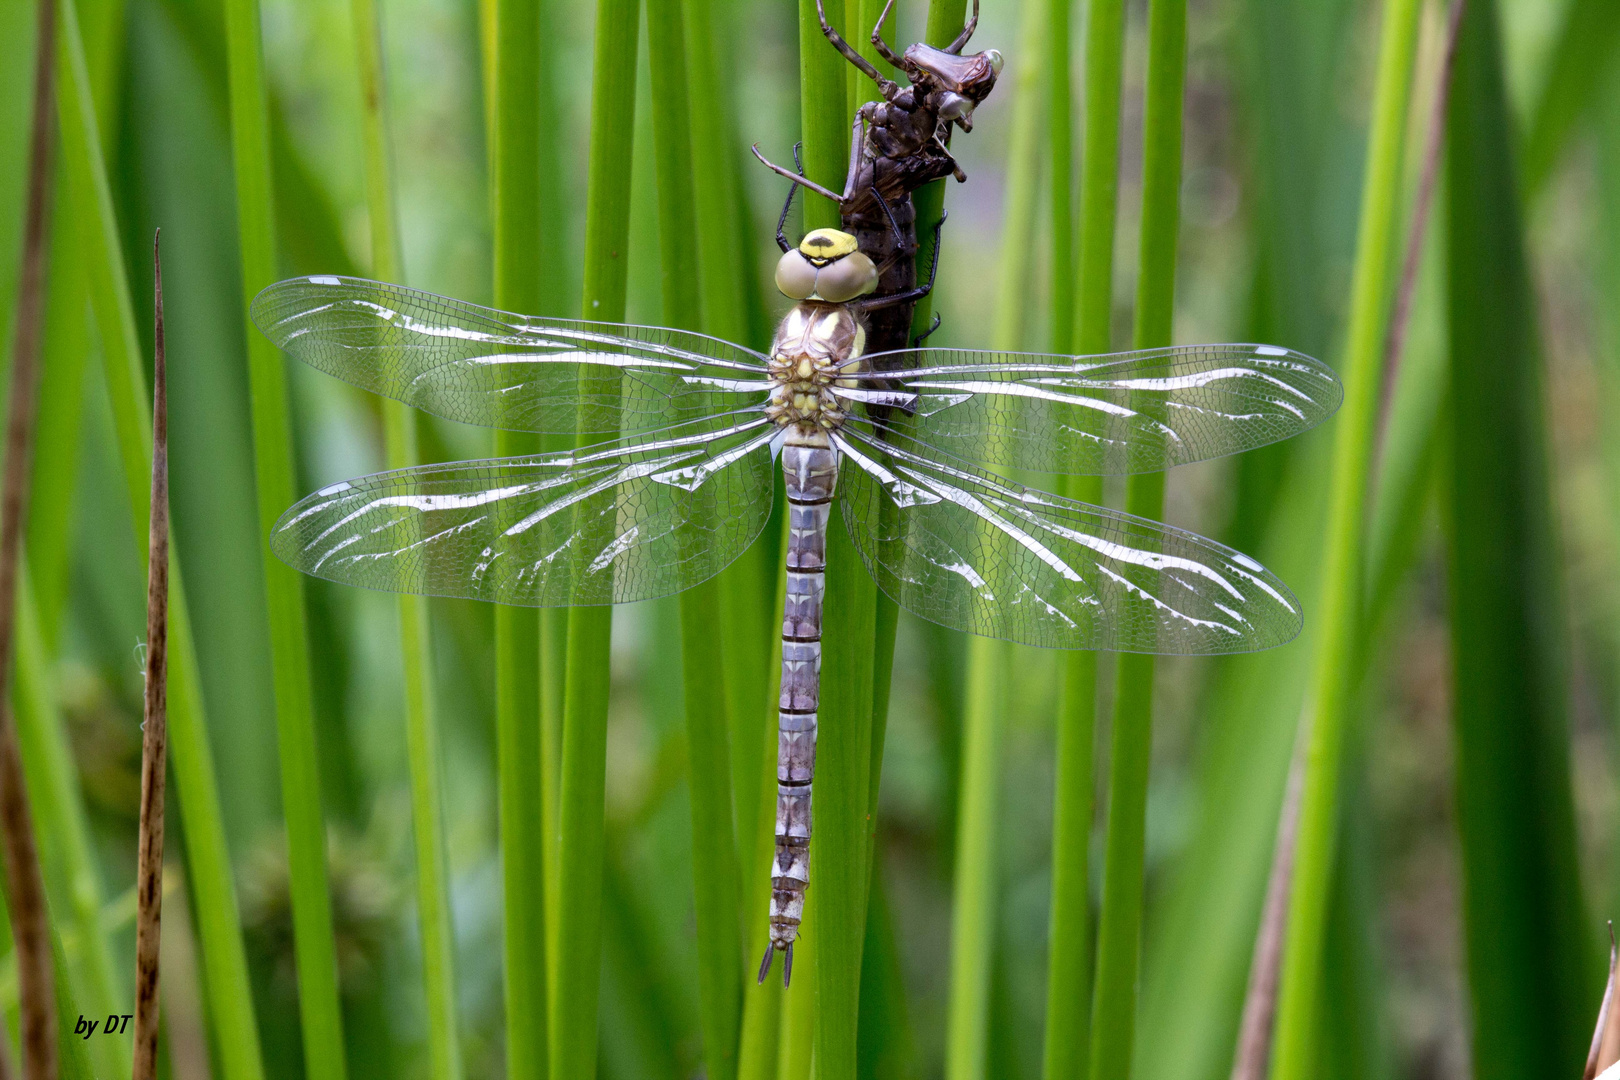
pixel 795 277
pixel 995 60
pixel 853 275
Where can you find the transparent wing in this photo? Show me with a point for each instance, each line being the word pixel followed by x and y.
pixel 495 369
pixel 974 553
pixel 611 524
pixel 1089 415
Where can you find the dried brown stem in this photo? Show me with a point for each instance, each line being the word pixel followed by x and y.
pixel 154 743
pixel 1253 1057
pixel 1400 314
pixel 1606 1038
pixel 29 922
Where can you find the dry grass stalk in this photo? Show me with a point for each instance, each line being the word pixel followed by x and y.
pixel 29 922
pixel 1605 1050
pixel 1252 1059
pixel 154 743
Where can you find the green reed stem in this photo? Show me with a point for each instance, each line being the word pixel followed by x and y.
pixel 823 114
pixel 703 656
pixel 1119 931
pixel 434 916
pixel 1089 324
pixel 230 1001
pixel 763 1018
pixel 944 23
pixel 320 1010
pixel 515 169
pixel 977 886
pixel 838 849
pixel 583 764
pixel 973 918
pixel 1331 691
pixel 1068 953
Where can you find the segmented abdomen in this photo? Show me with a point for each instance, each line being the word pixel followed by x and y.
pixel 810 466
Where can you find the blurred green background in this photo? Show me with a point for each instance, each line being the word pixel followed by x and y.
pixel 1435 801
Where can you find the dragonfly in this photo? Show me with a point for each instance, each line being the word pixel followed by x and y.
pixel 678 438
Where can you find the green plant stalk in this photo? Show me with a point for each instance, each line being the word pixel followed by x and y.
pixel 67 346
pixel 1529 944
pixel 583 765
pixel 1331 691
pixel 319 1008
pixel 434 921
pixel 515 152
pixel 976 887
pixel 796 1053
pixel 1069 977
pixel 72 879
pixel 844 747
pixel 943 24
pixel 823 113
pixel 703 656
pixel 973 920
pixel 1119 930
pixel 744 615
pixel 763 1017
pixel 843 760
pixel 230 1001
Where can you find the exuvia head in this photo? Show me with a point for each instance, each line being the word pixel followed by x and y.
pixel 827 265
pixel 956 83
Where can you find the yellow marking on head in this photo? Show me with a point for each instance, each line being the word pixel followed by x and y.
pixel 822 246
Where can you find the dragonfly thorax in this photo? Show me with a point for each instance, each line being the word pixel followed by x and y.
pixel 817 346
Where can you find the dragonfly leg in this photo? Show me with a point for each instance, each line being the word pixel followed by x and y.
pixel 920 338
pixel 955 47
pixel 885 87
pixel 882 46
pixel 802 181
pixel 793 189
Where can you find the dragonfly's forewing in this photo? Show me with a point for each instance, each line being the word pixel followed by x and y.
pixel 1103 415
pixel 614 524
pixel 975 553
pixel 481 366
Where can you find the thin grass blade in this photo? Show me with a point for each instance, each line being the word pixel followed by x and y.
pixel 1119 931
pixel 1528 942
pixel 434 916
pixel 573 1016
pixel 977 885
pixel 320 1010
pixel 704 662
pixel 1340 616
pixel 1067 1050
pixel 515 174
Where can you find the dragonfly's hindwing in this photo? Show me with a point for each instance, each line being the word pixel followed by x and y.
pixel 598 526
pixel 970 551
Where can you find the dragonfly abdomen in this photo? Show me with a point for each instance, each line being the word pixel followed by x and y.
pixel 810 467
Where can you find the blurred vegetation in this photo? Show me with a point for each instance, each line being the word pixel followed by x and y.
pixel 1467 844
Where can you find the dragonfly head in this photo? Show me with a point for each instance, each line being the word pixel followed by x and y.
pixel 827 265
